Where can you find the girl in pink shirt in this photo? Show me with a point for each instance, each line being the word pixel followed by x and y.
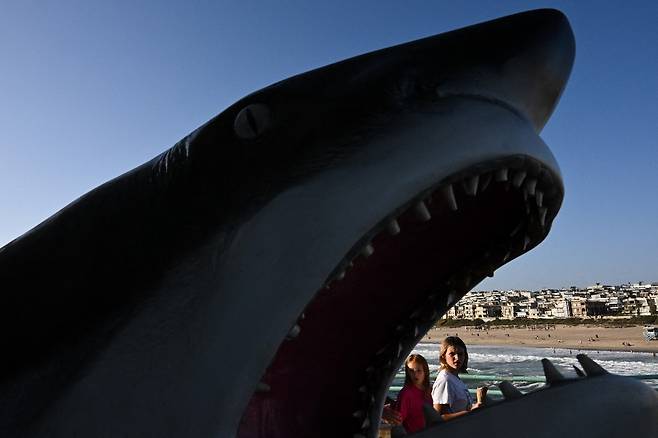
pixel 414 394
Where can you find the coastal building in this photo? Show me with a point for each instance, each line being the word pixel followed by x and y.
pixel 599 300
pixel 509 311
pixel 485 311
pixel 561 309
pixel 596 307
pixel 579 307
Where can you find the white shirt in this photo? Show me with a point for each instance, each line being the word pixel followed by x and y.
pixel 449 390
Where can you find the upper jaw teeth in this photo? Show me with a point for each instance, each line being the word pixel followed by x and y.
pixel 539 198
pixel 531 189
pixel 393 227
pixel 502 175
pixel 518 178
pixel 472 185
pixel 422 212
pixel 448 195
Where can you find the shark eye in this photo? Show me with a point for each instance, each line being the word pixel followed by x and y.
pixel 252 121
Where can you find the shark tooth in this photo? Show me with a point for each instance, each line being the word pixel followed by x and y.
pixel 530 186
pixel 526 242
pixel 510 392
pixel 591 368
pixel 539 197
pixel 393 227
pixel 448 194
pixel 263 387
pixel 450 300
pixel 518 178
pixel 471 185
pixel 506 256
pixel 340 275
pixel 579 372
pixel 366 423
pixel 542 216
pixel 368 250
pixel 502 175
pixel 551 373
pixel 484 181
pixel 416 331
pixel 400 348
pixel 363 389
pixel 422 212
pixel 294 331
pixel 359 414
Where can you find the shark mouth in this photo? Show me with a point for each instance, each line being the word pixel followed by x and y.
pixel 331 374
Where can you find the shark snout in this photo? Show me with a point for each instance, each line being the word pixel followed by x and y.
pixel 523 62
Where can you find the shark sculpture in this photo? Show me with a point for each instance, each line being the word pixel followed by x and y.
pixel 267 275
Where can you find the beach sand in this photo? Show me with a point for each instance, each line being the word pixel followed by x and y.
pixel 580 337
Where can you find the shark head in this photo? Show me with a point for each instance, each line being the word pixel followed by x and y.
pixel 268 274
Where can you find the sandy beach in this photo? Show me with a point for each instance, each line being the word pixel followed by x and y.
pixel 552 336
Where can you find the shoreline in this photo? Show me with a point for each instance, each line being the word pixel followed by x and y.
pixel 581 337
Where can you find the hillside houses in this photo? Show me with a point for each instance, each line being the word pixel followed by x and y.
pixel 628 300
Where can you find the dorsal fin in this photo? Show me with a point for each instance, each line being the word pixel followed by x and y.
pixel 551 373
pixel 591 368
pixel 509 391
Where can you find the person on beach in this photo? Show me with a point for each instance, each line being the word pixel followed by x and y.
pixel 414 394
pixel 450 396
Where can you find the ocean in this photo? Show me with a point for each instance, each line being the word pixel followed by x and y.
pixel 526 361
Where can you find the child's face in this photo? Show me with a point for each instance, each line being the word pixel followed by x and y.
pixel 417 373
pixel 455 357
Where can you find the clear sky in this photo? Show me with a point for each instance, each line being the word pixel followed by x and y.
pixel 91 89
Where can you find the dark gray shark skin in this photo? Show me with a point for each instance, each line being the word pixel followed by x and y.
pixel 268 274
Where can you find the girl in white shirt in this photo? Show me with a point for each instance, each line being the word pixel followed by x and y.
pixel 450 395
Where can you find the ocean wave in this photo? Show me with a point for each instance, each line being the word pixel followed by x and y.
pixel 524 361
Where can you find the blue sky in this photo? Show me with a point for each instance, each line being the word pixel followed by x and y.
pixel 89 90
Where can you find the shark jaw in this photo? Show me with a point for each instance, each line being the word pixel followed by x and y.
pixel 393 261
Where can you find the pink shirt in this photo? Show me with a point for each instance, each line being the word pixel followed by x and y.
pixel 410 405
